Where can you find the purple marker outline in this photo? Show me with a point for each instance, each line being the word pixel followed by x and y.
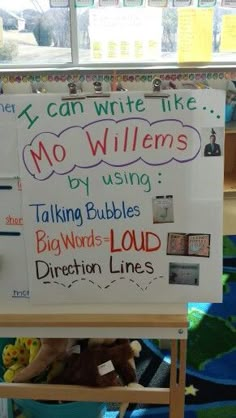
pixel 102 161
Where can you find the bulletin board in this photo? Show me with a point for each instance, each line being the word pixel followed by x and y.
pixel 119 201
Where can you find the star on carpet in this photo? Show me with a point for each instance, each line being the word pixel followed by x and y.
pixel 191 390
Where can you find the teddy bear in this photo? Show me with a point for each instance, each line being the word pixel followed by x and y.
pixel 101 365
pixel 52 351
pixel 57 351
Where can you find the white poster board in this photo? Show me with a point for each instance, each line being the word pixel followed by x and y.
pixel 122 197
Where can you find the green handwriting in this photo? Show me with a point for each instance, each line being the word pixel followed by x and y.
pixel 178 103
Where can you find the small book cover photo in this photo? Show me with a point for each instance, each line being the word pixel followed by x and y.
pixel 163 209
pixel 197 245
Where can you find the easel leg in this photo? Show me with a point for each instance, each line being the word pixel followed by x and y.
pixel 177 378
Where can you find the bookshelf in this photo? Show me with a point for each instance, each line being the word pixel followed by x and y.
pixel 170 326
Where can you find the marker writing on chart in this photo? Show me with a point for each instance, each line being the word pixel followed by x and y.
pixel 20 297
pixel 5 187
pixel 9 234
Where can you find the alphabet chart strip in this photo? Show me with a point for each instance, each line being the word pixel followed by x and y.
pixel 122 197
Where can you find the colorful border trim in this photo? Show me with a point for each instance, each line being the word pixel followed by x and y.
pixel 200 76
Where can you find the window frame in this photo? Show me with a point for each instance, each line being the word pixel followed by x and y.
pixel 74 64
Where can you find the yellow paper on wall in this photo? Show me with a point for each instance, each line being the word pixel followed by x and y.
pixel 228 34
pixel 96 50
pixel 195 35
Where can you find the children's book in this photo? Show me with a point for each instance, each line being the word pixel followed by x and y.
pixel 197 245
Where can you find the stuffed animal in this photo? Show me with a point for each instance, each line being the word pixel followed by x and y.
pixel 23 351
pixel 98 341
pixel 101 365
pixel 10 373
pixel 51 350
pixel 58 349
pixel 104 363
pixel 12 354
pixel 16 357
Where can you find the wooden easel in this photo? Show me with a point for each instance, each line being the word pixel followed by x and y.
pixel 171 327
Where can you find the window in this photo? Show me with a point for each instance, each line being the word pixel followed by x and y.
pixel 149 34
pixel 33 33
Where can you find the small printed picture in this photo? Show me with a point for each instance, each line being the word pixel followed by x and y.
pixel 194 245
pixel 182 273
pixel 212 142
pixel 163 209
